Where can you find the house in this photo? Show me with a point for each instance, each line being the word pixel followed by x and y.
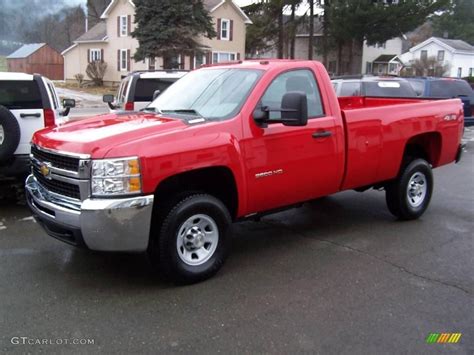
pixel 382 58
pixel 37 58
pixel 110 41
pixel 456 54
pixel 349 58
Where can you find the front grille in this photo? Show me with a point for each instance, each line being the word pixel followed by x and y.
pixel 56 186
pixel 58 161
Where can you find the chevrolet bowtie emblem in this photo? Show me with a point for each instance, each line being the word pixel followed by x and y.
pixel 45 170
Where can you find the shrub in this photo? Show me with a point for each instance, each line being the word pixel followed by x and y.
pixel 96 72
pixel 79 78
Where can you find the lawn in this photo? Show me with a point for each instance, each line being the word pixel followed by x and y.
pixel 3 63
pixel 95 90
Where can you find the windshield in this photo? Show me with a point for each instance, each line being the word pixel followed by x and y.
pixel 389 89
pixel 211 93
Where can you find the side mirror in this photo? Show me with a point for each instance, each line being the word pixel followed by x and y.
pixel 109 99
pixel 294 111
pixel 156 94
pixel 68 104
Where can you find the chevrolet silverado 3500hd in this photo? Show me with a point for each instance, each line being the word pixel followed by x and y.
pixel 230 142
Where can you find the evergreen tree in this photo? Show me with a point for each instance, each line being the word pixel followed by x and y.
pixel 458 22
pixel 170 27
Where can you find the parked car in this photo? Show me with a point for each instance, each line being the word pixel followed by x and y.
pixel 138 89
pixel 374 86
pixel 447 88
pixel 228 143
pixel 27 103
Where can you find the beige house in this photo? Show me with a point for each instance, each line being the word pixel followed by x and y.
pixel 111 41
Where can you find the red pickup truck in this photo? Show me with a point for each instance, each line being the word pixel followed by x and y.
pixel 227 143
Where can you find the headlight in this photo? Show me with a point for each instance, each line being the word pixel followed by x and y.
pixel 116 177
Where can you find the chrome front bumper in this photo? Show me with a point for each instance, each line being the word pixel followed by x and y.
pixel 98 224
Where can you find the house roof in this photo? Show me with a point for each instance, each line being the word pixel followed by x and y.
pixel 456 44
pixel 26 50
pixel 453 45
pixel 210 5
pixel 385 58
pixel 96 33
pixel 109 8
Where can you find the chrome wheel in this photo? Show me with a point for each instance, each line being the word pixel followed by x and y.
pixel 2 134
pixel 416 189
pixel 197 239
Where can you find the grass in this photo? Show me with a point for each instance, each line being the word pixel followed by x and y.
pixel 3 63
pixel 94 90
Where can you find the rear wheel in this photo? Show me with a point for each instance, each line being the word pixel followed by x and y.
pixel 9 134
pixel 191 241
pixel 409 195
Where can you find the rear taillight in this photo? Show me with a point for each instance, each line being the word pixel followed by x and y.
pixel 48 117
pixel 129 106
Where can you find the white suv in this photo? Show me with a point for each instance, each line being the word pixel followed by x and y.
pixel 28 103
pixel 139 89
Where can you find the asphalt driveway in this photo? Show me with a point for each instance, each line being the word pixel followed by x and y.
pixel 339 275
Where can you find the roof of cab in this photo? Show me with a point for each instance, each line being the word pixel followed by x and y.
pixel 10 76
pixel 262 64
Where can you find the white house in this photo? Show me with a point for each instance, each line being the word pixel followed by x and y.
pixel 382 58
pixel 455 53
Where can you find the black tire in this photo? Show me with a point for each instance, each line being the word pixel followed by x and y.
pixel 404 205
pixel 11 134
pixel 163 249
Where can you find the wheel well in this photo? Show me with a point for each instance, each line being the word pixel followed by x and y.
pixel 426 146
pixel 216 181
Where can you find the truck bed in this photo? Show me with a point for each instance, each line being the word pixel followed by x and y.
pixel 376 135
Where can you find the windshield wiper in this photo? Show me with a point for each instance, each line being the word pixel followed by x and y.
pixel 184 110
pixel 150 109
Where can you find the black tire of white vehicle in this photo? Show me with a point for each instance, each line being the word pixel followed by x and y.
pixel 182 247
pixel 9 134
pixel 409 195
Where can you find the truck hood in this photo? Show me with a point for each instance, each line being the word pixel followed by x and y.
pixel 97 135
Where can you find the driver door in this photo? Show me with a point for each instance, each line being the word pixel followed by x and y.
pixel 286 165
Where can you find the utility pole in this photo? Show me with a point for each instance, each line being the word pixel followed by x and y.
pixel 311 29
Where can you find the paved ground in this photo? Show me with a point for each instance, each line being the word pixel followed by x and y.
pixel 86 104
pixel 336 276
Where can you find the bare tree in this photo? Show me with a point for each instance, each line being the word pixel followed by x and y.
pixel 96 72
pixel 429 67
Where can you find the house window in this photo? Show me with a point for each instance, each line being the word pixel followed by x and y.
pixel 95 55
pixel 392 67
pixel 123 60
pixel 151 63
pixel 123 26
pixel 459 72
pixel 368 68
pixel 424 55
pixel 173 62
pixel 471 71
pixel 199 59
pixel 218 57
pixel 225 29
pixel 440 56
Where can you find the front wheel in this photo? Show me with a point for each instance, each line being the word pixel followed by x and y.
pixel 409 195
pixel 192 240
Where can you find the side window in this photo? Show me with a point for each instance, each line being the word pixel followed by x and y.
pixel 296 80
pixel 350 89
pixel 20 95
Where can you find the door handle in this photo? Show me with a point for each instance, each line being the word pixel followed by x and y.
pixel 24 115
pixel 322 134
